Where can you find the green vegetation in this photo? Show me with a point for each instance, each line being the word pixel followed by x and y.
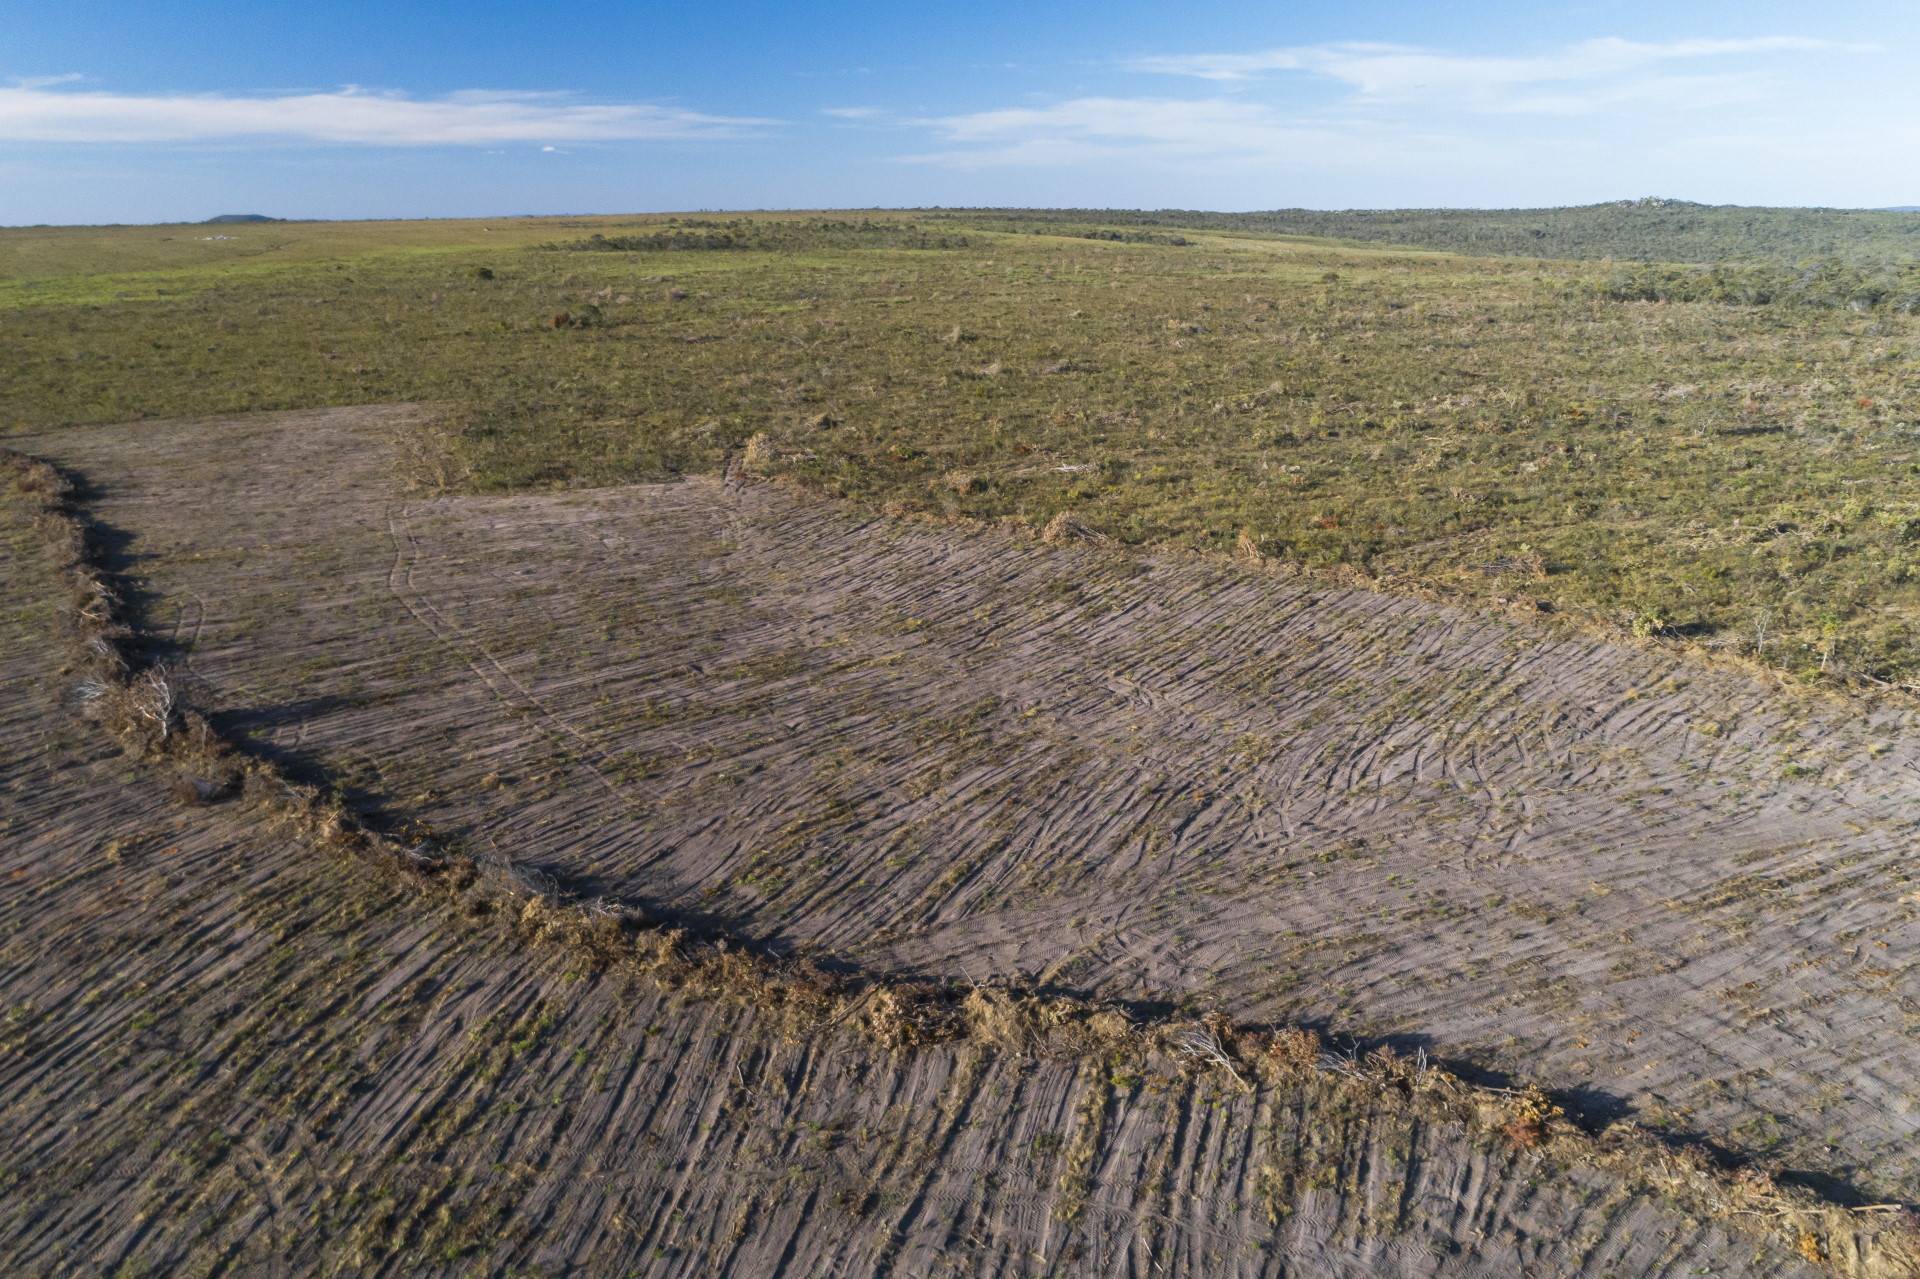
pixel 1651 230
pixel 1819 284
pixel 682 234
pixel 1496 430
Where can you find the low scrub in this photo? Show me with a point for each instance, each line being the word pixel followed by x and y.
pixel 1826 285
pixel 749 234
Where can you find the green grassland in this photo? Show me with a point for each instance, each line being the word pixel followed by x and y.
pixel 1739 472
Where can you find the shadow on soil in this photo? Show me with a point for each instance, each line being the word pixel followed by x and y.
pixel 250 728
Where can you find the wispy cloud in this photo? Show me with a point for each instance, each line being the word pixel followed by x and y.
pixel 1400 73
pixel 1401 108
pixel 44 81
pixel 42 112
pixel 854 113
pixel 1171 130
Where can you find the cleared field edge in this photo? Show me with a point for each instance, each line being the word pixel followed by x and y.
pixel 139 707
pixel 1851 688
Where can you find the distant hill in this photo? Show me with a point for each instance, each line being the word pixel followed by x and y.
pixel 225 218
pixel 1647 230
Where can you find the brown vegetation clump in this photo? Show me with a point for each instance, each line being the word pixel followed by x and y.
pixel 430 451
pixel 759 453
pixel 586 317
pixel 899 1017
pixel 1029 1024
pixel 1289 1054
pixel 1527 1117
pixel 1065 527
pixel 1246 550
pixel 963 482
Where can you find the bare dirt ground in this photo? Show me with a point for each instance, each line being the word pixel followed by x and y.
pixel 1658 887
pixel 227 1052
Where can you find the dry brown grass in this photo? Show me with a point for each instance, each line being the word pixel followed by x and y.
pixel 1246 549
pixel 1066 527
pixel 759 452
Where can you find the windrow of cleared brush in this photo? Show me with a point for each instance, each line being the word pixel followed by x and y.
pixel 142 710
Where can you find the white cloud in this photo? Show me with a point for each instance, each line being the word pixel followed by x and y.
pixel 1400 109
pixel 473 117
pixel 1216 123
pixel 1401 73
pixel 45 81
pixel 1670 95
pixel 853 113
pixel 1170 130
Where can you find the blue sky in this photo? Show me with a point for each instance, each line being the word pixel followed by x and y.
pixel 341 108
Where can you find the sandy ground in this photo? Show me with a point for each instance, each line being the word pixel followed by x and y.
pixel 1662 889
pixel 225 1052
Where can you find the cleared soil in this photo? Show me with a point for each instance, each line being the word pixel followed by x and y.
pixel 1662 889
pixel 227 1052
